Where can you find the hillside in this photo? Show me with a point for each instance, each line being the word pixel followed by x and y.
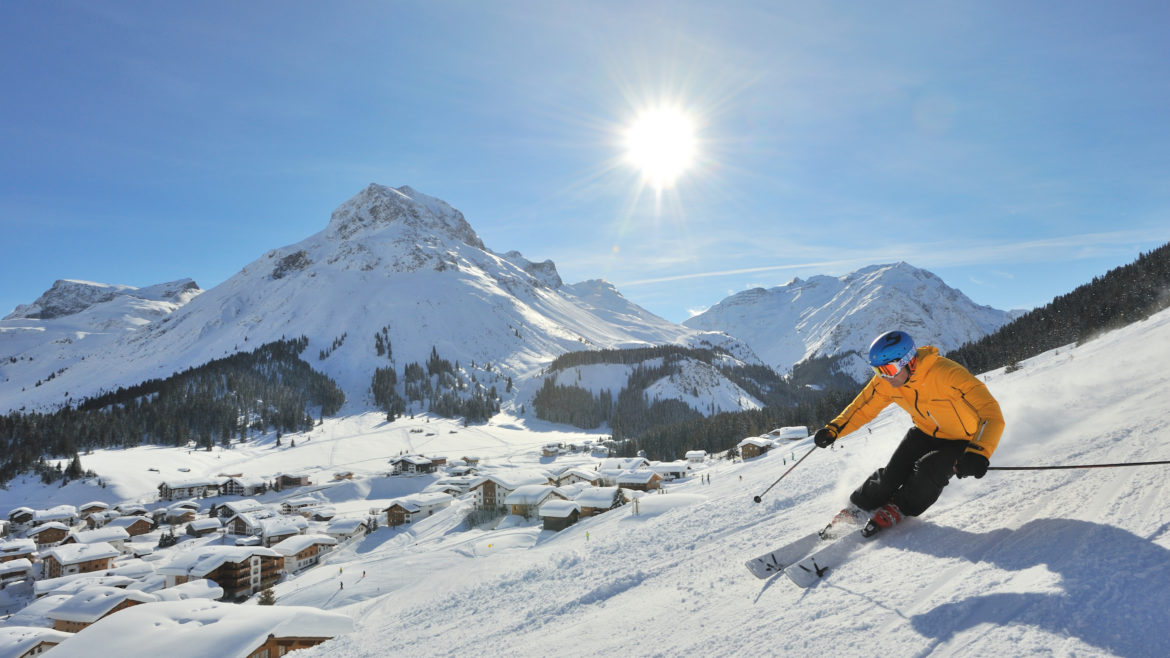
pixel 1073 562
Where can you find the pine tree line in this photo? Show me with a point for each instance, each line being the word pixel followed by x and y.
pixel 269 388
pixel 1121 296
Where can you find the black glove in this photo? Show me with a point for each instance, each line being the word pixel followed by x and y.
pixel 824 437
pixel 973 464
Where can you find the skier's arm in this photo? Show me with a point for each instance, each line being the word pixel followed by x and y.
pixel 991 424
pixel 864 408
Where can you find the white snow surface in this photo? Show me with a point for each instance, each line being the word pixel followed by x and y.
pixel 1059 562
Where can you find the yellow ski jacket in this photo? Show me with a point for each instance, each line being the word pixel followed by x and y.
pixel 941 396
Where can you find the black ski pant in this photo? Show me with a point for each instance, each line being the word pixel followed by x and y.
pixel 918 470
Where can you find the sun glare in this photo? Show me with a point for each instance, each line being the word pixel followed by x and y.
pixel 661 144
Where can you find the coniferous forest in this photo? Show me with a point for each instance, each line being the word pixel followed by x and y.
pixel 269 388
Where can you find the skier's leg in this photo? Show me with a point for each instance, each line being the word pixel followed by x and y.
pixel 931 474
pixel 880 487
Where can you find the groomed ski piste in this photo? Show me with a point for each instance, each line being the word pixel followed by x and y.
pixel 1061 562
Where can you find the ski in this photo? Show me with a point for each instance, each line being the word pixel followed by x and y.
pixel 809 570
pixel 775 561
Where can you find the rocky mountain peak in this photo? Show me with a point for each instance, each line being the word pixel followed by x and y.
pixel 378 207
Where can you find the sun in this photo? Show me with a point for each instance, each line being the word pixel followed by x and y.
pixel 660 143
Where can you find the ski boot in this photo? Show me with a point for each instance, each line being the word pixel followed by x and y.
pixel 847 518
pixel 886 516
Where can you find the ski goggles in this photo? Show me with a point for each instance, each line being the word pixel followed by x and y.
pixel 891 369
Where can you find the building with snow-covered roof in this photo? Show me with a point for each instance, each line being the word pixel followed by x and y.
pixel 559 514
pixel 240 570
pixel 304 551
pixel 78 558
pixel 198 487
pixel 14 549
pixel 412 464
pixel 74 583
pixel 92 507
pixel 48 534
pixel 133 525
pixel 595 500
pixel 277 529
pixel 299 505
pixel 526 499
pixel 794 433
pixel 343 529
pixel 754 446
pixel 66 514
pixel 243 506
pixel 203 527
pixel 640 480
pixel 21 516
pixel 416 507
pixel 15 571
pixel 672 470
pixel 291 480
pixel 23 641
pixel 695 456
pixel 197 628
pixel 244 485
pixel 113 535
pixel 93 603
pixel 490 491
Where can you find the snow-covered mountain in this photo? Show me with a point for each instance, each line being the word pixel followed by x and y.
pixel 392 265
pixel 77 320
pixel 840 316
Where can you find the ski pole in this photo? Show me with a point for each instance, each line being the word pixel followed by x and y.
pixel 1053 468
pixel 758 498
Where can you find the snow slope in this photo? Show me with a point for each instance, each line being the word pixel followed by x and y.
pixel 1062 562
pixel 1072 562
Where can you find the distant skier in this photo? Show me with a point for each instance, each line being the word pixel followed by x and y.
pixel 957 426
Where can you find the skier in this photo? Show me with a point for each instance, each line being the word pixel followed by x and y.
pixel 957 425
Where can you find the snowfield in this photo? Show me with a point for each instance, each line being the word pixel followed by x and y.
pixel 1057 562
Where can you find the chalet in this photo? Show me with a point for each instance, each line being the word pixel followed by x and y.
pixel 794 433
pixel 240 570
pixel 577 475
pixel 611 469
pixel 344 529
pixel 277 529
pixel 696 456
pixel 203 527
pixel 92 508
pixel 641 480
pixel 323 513
pixel 189 488
pixel 299 505
pixel 559 514
pixel 412 464
pixel 92 604
pixel 134 525
pixel 15 571
pixel 75 583
pixel 304 551
pixel 66 514
pixel 49 534
pixel 415 508
pixel 595 500
pixel 99 519
pixel 25 641
pixel 291 480
pixel 112 535
pixel 240 485
pixel 244 506
pixel 754 446
pixel 672 470
pixel 132 509
pixel 77 558
pixel 490 491
pixel 15 549
pixel 550 450
pixel 21 516
pixel 231 630
pixel 526 499
pixel 177 515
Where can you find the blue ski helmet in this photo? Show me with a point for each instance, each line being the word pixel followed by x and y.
pixel 890 347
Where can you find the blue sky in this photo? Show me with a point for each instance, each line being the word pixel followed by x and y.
pixel 1014 149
